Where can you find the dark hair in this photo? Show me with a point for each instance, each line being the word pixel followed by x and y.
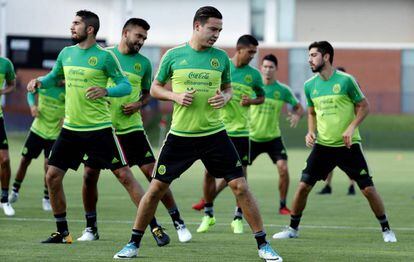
pixel 90 19
pixel 136 22
pixel 271 58
pixel 246 40
pixel 324 47
pixel 341 68
pixel 205 12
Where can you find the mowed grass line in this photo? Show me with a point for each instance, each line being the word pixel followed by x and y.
pixel 359 240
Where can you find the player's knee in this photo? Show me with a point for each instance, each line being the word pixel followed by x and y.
pixel 239 187
pixel 52 179
pixel 283 170
pixel 4 160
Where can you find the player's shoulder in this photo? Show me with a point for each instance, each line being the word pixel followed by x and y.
pixel 219 52
pixel 344 75
pixel 311 80
pixel 284 86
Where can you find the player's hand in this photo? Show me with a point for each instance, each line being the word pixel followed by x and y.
pixel 310 139
pixel 245 101
pixel 96 92
pixel 34 111
pixel 218 100
pixel 33 84
pixel 185 99
pixel 131 108
pixel 347 136
pixel 293 119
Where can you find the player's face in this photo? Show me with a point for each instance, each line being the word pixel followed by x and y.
pixel 268 69
pixel 246 54
pixel 316 61
pixel 209 32
pixel 135 38
pixel 78 30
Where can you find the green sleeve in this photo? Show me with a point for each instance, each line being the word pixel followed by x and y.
pixel 258 85
pixel 354 92
pixel 114 71
pixel 165 68
pixel 56 74
pixel 10 74
pixel 147 78
pixel 31 98
pixel 290 98
pixel 308 98
pixel 225 76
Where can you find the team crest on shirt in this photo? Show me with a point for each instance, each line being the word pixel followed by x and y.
pixel 214 62
pixel 162 169
pixel 336 88
pixel 137 67
pixel 93 61
pixel 248 79
pixel 276 94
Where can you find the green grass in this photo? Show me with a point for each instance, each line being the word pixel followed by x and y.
pixel 334 228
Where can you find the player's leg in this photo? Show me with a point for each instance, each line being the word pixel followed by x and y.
pixel 5 174
pixel 282 168
pixel 327 189
pixel 353 163
pixel 319 163
pixel 209 190
pixel 176 156
pixel 222 161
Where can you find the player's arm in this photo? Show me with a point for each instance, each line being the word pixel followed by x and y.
pixel 225 93
pixel 159 91
pixel 361 111
pixel 295 114
pixel 311 135
pixel 10 87
pixel 131 108
pixel 258 90
pixel 51 78
pixel 31 100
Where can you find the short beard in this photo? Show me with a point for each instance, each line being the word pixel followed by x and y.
pixel 319 68
pixel 80 38
pixel 131 48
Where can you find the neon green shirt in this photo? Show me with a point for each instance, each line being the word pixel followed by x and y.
pixel 203 71
pixel 139 73
pixel 334 103
pixel 6 74
pixel 245 80
pixel 81 69
pixel 51 107
pixel 264 123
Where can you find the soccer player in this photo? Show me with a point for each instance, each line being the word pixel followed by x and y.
pixel 87 133
pixel 265 135
pixel 200 76
pixel 327 189
pixel 127 121
pixel 336 107
pixel 7 76
pixel 246 84
pixel 48 113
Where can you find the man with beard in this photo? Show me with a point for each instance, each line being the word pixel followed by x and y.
pixel 336 107
pixel 87 133
pixel 247 85
pixel 200 76
pixel 128 125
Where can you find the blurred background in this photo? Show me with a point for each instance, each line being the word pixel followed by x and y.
pixel 373 40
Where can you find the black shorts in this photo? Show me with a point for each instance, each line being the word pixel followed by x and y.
pixel 323 159
pixel 98 149
pixel 4 143
pixel 136 148
pixel 274 148
pixel 216 152
pixel 35 144
pixel 242 146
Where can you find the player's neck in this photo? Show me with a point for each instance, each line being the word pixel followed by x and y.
pixel 90 41
pixel 196 45
pixel 268 81
pixel 123 48
pixel 327 72
pixel 237 62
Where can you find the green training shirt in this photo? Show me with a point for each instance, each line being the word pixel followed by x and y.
pixel 6 74
pixel 138 70
pixel 334 102
pixel 264 118
pixel 51 107
pixel 203 71
pixel 245 80
pixel 81 69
